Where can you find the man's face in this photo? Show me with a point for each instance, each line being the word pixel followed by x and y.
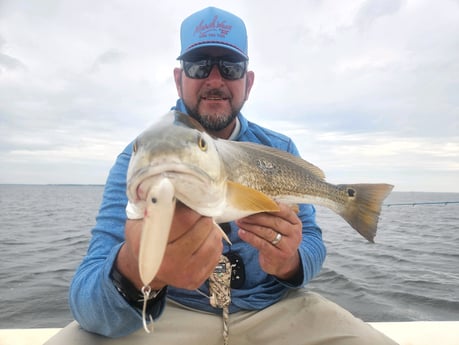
pixel 214 101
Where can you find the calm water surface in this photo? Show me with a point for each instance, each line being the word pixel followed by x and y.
pixel 411 273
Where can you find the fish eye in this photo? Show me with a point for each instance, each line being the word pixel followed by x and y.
pixel 202 143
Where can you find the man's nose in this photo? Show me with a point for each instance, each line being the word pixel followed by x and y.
pixel 215 74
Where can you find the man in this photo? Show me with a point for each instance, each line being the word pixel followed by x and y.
pixel 273 254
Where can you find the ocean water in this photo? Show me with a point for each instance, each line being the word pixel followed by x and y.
pixel 410 273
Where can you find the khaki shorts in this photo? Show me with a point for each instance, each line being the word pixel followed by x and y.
pixel 301 318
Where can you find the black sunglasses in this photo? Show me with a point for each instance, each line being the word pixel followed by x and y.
pixel 200 68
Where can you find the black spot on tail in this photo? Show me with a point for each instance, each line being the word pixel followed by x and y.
pixel 351 192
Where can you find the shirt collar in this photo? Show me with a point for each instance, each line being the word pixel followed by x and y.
pixel 236 130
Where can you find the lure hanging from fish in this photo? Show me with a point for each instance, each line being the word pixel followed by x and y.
pixel 159 211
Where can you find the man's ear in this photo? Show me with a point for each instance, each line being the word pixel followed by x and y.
pixel 178 80
pixel 250 78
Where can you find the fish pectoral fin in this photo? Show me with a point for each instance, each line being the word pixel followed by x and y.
pixel 244 198
pixel 159 212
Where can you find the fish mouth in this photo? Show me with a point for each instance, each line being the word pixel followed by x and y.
pixel 138 184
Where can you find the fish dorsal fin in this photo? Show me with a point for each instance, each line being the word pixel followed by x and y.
pixel 182 119
pixel 248 199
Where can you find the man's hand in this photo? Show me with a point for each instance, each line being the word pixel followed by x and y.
pixel 193 250
pixel 260 230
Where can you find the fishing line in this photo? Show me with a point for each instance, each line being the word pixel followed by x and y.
pixel 443 203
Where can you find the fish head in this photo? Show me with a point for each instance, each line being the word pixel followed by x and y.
pixel 176 149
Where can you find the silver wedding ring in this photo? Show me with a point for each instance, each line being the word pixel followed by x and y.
pixel 277 239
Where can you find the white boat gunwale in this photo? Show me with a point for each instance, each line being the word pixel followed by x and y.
pixel 405 333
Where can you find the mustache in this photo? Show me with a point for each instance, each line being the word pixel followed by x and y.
pixel 215 93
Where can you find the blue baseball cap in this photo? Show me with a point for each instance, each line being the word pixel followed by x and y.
pixel 213 27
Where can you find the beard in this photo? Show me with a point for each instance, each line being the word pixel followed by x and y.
pixel 215 121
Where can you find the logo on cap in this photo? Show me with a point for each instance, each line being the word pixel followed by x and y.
pixel 213 29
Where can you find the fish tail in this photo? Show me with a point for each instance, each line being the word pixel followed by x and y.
pixel 363 206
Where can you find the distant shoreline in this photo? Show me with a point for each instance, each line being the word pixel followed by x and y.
pixel 102 185
pixel 54 184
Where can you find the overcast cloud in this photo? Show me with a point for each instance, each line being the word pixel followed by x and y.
pixel 368 89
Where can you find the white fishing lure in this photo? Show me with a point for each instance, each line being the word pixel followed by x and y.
pixel 157 220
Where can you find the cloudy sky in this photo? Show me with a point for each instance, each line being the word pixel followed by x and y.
pixel 368 89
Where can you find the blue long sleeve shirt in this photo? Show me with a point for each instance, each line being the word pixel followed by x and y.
pixel 98 306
